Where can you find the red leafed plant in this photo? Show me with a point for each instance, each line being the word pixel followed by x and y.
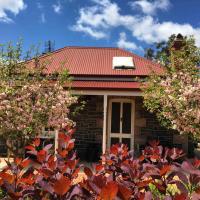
pixel 47 176
pixel 159 173
pixel 156 174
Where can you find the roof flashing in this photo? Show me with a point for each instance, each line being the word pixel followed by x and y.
pixel 123 63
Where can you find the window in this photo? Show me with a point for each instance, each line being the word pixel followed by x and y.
pixel 123 63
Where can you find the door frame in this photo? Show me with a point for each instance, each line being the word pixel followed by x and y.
pixel 131 136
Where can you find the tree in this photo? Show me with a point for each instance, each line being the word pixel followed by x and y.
pixel 160 53
pixel 30 99
pixel 175 95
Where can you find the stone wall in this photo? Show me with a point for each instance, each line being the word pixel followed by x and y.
pixel 89 129
pixel 148 128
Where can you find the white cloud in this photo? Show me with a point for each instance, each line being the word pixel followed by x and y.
pixel 149 30
pixel 90 31
pixel 100 17
pixel 97 20
pixel 125 44
pixel 57 7
pixel 150 7
pixel 13 6
pixel 43 18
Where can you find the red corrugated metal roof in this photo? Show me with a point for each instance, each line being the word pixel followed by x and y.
pixel 105 85
pixel 95 61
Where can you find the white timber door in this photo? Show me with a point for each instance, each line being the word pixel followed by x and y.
pixel 121 122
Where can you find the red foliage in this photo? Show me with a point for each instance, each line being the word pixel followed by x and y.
pixel 109 191
pixel 62 185
pixel 146 177
pixel 119 174
pixel 48 176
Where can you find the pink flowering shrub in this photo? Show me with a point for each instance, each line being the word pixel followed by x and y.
pixel 30 98
pixel 174 96
pixel 184 98
pixel 34 106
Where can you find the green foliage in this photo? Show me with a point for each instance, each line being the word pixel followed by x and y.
pixel 160 53
pixel 2 194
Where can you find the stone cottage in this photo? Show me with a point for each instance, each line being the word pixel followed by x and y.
pixel 109 80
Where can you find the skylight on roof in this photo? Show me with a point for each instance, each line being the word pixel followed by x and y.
pixel 123 63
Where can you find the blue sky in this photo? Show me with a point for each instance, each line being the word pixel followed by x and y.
pixel 130 24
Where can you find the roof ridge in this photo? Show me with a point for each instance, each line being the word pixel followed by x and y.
pixel 77 47
pixel 68 47
pixel 43 55
pixel 91 47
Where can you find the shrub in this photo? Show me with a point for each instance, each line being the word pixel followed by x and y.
pixel 30 97
pixel 174 97
pixel 45 177
pixel 159 173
